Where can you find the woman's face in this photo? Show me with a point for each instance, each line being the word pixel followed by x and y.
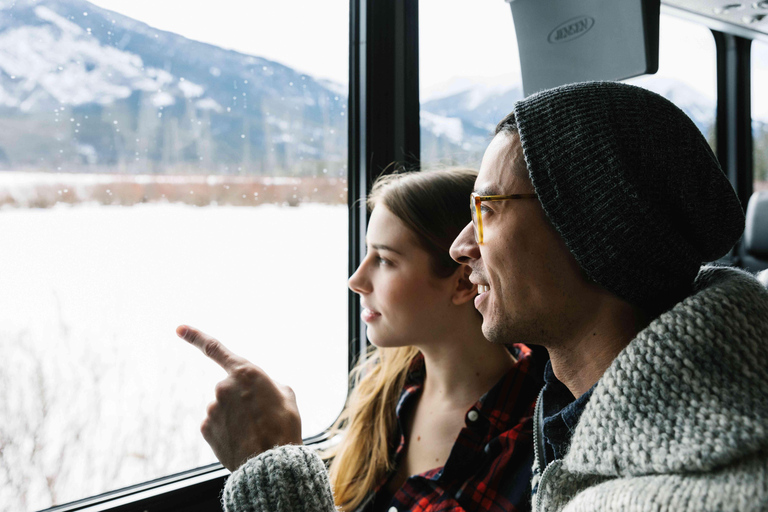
pixel 403 302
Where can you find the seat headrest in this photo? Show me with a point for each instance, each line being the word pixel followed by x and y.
pixel 756 226
pixel 763 277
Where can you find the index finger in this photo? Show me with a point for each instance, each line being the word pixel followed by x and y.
pixel 211 347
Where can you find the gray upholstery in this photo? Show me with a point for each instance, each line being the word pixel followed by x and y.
pixel 754 246
pixel 763 277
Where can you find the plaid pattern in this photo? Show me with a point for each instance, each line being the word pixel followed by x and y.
pixel 489 468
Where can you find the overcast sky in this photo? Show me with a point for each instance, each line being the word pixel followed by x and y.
pixel 458 38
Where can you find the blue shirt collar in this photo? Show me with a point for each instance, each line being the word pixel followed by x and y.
pixel 562 412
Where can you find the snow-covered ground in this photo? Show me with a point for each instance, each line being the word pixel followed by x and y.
pixel 98 391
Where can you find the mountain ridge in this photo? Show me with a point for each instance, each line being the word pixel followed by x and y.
pixel 85 89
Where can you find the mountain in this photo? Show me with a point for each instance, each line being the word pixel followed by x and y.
pixel 458 118
pixel 457 125
pixel 82 87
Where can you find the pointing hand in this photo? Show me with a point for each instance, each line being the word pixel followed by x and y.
pixel 251 413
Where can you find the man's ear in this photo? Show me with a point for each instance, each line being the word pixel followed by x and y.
pixel 465 291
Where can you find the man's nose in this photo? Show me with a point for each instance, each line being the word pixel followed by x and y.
pixel 465 248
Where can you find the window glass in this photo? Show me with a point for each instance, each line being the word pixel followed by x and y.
pixel 160 164
pixel 470 75
pixel 687 73
pixel 760 114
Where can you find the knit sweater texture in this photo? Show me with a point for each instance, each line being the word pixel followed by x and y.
pixel 679 421
pixel 286 478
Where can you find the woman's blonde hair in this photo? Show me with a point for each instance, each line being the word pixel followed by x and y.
pixel 435 206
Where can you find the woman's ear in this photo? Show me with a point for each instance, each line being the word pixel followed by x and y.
pixel 465 291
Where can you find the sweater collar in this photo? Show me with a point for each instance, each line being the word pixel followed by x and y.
pixel 688 394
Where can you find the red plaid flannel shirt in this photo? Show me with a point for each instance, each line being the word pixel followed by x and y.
pixel 489 467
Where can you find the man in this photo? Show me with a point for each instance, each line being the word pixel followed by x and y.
pixel 656 393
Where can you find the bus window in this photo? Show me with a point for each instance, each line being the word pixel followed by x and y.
pixel 760 114
pixel 161 165
pixel 469 73
pixel 687 73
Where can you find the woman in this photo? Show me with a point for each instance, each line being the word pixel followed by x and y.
pixel 416 430
pixel 439 418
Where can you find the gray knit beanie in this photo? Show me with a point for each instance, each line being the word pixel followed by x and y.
pixel 631 185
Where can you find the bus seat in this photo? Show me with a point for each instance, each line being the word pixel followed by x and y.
pixel 763 277
pixel 754 244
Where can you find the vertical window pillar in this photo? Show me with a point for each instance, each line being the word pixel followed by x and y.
pixel 384 116
pixel 734 119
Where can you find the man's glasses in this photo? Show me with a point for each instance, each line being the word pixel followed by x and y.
pixel 477 215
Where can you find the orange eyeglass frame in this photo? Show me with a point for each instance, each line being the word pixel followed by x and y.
pixel 477 217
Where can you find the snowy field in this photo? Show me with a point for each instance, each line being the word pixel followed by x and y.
pixel 96 391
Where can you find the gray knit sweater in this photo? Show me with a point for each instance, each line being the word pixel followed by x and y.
pixel 678 422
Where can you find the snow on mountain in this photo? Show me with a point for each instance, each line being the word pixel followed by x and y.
pixel 440 126
pixel 476 105
pixel 82 87
pixel 137 97
pixel 55 61
pixel 482 105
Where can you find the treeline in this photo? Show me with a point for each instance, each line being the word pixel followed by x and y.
pixel 122 190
